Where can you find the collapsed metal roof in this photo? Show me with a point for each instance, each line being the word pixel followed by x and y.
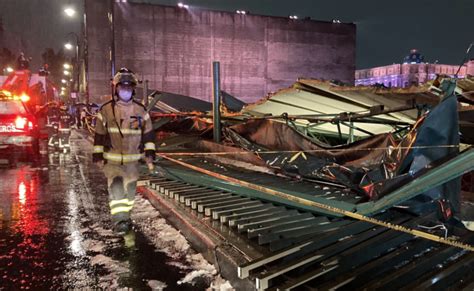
pixel 314 97
pixel 265 162
pixel 373 165
pixel 166 102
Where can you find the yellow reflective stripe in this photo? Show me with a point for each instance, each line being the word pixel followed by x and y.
pixel 116 158
pixel 125 130
pixel 123 201
pixel 98 149
pixel 115 202
pixel 124 158
pixel 127 158
pixel 150 146
pixel 113 157
pixel 120 209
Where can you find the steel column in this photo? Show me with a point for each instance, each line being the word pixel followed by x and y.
pixel 216 104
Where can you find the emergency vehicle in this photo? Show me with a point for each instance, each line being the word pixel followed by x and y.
pixel 19 129
pixel 35 91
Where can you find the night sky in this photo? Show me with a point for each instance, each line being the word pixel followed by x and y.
pixel 386 30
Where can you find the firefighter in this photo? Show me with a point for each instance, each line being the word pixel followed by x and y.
pixel 123 135
pixel 53 124
pixel 83 116
pixel 43 71
pixel 23 63
pixel 65 122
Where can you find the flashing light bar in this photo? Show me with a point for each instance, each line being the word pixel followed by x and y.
pixel 24 98
pixel 8 96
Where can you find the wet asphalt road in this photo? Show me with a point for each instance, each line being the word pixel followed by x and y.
pixel 55 230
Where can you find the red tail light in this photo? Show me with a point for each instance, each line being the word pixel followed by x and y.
pixel 21 122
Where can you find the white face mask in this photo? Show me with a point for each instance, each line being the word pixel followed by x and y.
pixel 125 94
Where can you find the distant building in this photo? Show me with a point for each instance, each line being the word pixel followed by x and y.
pixel 413 71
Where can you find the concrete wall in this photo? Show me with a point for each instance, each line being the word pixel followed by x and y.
pixel 98 49
pixel 174 48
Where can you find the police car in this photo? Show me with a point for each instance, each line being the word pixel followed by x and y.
pixel 18 126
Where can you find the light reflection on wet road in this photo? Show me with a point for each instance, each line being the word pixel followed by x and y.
pixel 55 230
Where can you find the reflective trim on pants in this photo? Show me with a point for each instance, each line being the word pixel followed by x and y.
pixel 150 146
pixel 126 158
pixel 120 209
pixel 98 149
pixel 121 201
pixel 121 182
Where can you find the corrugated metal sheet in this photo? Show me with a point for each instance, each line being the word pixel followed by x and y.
pixel 467 84
pixel 316 97
pixel 310 97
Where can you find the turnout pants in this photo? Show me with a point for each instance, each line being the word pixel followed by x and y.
pixel 122 185
pixel 64 136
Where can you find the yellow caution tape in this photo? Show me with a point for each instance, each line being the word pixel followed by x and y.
pixel 303 153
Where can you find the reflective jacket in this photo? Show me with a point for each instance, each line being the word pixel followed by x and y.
pixel 123 133
pixel 65 120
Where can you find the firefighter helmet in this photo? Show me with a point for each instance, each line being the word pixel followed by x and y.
pixel 126 77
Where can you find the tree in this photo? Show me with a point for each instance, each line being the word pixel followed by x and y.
pixel 2 30
pixel 55 62
pixel 7 59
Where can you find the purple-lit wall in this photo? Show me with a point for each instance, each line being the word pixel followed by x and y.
pixel 174 48
pixel 405 75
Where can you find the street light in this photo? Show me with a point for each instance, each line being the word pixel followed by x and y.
pixel 9 69
pixel 67 66
pixel 70 11
pixel 75 65
pixel 63 81
pixel 66 73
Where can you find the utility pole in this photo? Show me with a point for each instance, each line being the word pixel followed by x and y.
pixel 145 93
pixel 112 42
pixel 216 104
pixel 85 55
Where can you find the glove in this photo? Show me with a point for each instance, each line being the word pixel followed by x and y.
pixel 149 163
